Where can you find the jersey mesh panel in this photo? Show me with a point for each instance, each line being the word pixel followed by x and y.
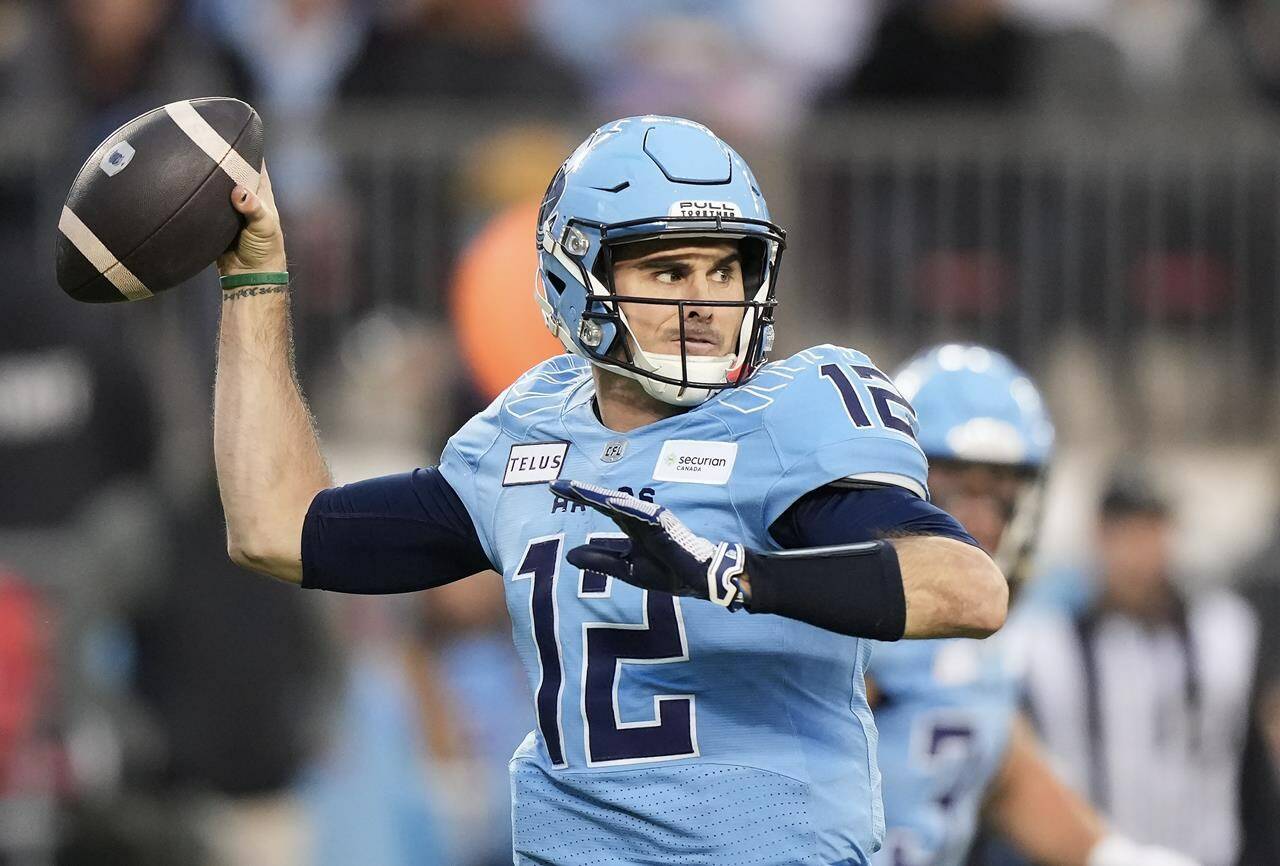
pixel 762 817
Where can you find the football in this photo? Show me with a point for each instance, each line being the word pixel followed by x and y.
pixel 151 206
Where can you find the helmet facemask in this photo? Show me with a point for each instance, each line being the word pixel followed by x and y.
pixel 607 338
pixel 1020 511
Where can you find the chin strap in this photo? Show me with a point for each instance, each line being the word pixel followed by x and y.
pixel 700 369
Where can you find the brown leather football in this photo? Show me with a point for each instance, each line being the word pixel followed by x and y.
pixel 151 207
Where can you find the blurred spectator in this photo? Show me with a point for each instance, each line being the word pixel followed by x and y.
pixel 475 708
pixel 78 441
pixel 111 60
pixel 234 670
pixel 473 51
pixel 295 54
pixel 368 797
pixel 75 411
pixel 78 512
pixel 749 68
pixel 1113 49
pixel 30 767
pixel 499 330
pixel 1145 700
pixel 17 18
pixel 967 51
pixel 510 166
pixel 434 702
pixel 383 402
pixel 294 51
pixel 1255 26
pixel 1260 582
pixel 383 399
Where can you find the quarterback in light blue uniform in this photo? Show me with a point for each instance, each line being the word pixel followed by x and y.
pixel 668 729
pixel 671 708
pixel 954 748
pixel 696 544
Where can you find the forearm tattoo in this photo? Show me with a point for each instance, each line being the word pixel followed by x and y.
pixel 250 291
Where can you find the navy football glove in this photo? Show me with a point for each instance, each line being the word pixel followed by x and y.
pixel 660 552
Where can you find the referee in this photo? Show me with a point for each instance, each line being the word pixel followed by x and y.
pixel 1146 698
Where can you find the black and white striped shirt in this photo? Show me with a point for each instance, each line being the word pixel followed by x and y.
pixel 1150 721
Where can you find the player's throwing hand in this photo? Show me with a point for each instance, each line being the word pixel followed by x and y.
pixel 260 244
pixel 660 552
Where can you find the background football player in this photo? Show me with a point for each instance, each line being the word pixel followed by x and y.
pixel 953 748
pixel 669 729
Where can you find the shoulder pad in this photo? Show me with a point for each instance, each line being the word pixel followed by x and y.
pixel 540 392
pixel 781 386
pixel 537 394
pixel 830 415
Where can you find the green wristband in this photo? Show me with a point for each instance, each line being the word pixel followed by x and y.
pixel 264 278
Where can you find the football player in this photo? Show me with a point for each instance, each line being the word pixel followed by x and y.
pixel 953 748
pixel 692 541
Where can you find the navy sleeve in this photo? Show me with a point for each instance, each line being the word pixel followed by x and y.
pixel 398 533
pixel 848 515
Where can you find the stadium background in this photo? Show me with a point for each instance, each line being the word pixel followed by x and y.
pixel 1092 186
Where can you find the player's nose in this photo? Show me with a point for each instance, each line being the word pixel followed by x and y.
pixel 700 289
pixel 698 311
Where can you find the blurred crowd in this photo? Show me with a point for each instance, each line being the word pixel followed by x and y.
pixel 158 706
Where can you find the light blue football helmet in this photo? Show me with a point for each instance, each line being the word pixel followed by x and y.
pixel 976 407
pixel 638 179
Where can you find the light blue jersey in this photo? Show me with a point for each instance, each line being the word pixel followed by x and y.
pixel 944 716
pixel 947 706
pixel 669 729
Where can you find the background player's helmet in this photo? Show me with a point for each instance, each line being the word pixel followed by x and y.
pixel 976 407
pixel 638 179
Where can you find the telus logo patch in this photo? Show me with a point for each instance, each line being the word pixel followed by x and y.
pixel 534 463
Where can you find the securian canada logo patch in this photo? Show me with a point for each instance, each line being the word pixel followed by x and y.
pixel 705 209
pixel 695 461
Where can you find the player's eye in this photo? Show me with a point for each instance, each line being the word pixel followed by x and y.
pixel 722 275
pixel 669 276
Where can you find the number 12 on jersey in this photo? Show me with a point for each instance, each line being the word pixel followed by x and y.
pixel 659 638
pixel 884 395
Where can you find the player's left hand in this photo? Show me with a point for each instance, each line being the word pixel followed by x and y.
pixel 660 552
